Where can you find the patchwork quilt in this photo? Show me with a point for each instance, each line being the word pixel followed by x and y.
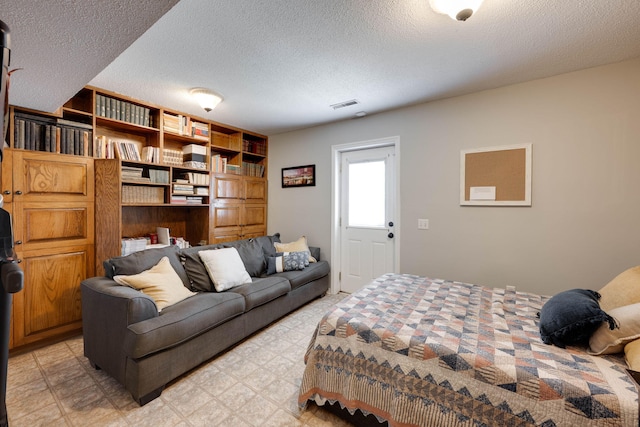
pixel 421 352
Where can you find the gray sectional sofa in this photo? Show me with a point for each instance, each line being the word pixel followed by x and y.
pixel 126 336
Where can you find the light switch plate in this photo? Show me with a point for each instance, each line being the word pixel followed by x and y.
pixel 423 224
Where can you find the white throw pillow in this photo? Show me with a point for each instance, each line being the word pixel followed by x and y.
pixel 225 267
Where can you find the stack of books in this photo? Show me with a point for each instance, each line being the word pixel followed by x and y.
pixel 200 131
pixel 130 173
pixel 133 244
pixel 182 188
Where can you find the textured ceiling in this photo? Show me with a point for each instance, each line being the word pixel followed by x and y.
pixel 280 64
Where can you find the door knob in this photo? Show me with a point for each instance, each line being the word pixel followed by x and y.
pixel 7 192
pixel 390 223
pixel 18 242
pixel 390 235
pixel 19 192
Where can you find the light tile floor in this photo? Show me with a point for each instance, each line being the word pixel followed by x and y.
pixel 253 384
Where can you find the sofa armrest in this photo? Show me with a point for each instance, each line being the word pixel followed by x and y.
pixel 107 311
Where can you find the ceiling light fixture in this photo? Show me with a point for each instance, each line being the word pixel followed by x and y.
pixel 459 10
pixel 207 99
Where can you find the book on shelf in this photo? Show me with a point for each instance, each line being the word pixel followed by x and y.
pixel 195 178
pixel 159 176
pixel 218 163
pixel 194 200
pixel 178 199
pixel 252 169
pixel 234 169
pixel 172 157
pixel 184 125
pixel 151 154
pixel 126 151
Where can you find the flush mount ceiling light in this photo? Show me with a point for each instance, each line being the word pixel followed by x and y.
pixel 207 99
pixel 460 10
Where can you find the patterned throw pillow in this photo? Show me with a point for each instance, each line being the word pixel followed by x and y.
pixel 299 245
pixel 287 261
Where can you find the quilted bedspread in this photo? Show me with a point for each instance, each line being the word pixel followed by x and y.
pixel 422 352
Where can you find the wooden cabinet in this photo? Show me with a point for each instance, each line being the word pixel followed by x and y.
pixel 239 210
pixel 52 205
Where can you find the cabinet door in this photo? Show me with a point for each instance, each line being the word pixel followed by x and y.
pixel 255 190
pixel 48 177
pixel 49 304
pixel 227 187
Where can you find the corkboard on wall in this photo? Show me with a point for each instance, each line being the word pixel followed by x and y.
pixel 496 176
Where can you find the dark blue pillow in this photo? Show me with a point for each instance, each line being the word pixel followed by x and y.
pixel 570 317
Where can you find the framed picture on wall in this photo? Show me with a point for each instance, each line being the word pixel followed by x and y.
pixel 299 176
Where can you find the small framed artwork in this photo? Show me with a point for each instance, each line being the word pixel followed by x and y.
pixel 299 176
pixel 496 176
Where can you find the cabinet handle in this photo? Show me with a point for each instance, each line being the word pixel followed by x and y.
pixel 6 192
pixel 18 242
pixel 19 261
pixel 19 193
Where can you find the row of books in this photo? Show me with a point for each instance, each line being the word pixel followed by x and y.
pixel 255 147
pixel 107 148
pixel 117 109
pixel 194 178
pixel 51 135
pixel 183 125
pixel 252 169
pixel 177 199
pixel 137 194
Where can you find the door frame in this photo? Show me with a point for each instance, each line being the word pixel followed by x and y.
pixel 336 154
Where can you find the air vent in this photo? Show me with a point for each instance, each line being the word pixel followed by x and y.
pixel 344 104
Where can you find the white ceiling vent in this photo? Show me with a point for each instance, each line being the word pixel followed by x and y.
pixel 344 104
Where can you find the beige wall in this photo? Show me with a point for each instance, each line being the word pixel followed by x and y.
pixel 583 227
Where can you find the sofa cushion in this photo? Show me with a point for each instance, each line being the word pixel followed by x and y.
pixel 225 267
pixel 252 256
pixel 138 262
pixel 160 282
pixel 262 290
pixel 313 272
pixel 181 322
pixel 299 245
pixel 267 243
pixel 197 274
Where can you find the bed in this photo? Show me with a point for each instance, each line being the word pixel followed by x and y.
pixel 414 351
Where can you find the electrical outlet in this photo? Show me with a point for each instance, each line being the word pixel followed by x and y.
pixel 423 224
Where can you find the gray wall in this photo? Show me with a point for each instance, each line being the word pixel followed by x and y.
pixel 583 227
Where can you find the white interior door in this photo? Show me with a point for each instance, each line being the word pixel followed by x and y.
pixel 368 197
